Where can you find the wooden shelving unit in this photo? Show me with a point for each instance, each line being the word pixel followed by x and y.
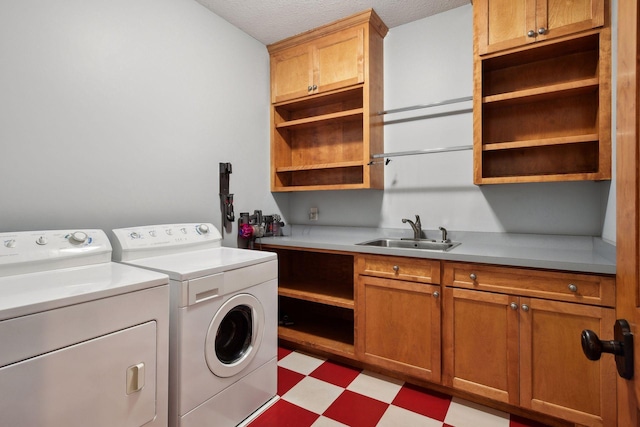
pixel 316 291
pixel 544 112
pixel 326 85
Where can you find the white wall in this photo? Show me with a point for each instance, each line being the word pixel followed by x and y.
pixel 117 113
pixel 425 62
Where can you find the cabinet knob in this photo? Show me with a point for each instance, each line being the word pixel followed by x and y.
pixel 309 88
pixel 513 306
pixel 473 276
pixel 396 268
pixel 315 87
pixel 436 294
pixel 573 288
pixel 531 33
pixel 525 307
pixel 542 30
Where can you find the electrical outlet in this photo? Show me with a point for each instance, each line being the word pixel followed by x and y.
pixel 313 214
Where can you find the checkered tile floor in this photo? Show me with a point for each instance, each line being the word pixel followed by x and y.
pixel 315 392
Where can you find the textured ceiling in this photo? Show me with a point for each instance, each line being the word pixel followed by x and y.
pixel 270 21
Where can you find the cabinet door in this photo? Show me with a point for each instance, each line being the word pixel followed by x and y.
pixel 556 18
pixel 338 60
pixel 480 343
pixel 398 326
pixel 555 377
pixel 291 73
pixel 503 24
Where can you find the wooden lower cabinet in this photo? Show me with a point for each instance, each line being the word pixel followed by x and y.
pixel 398 326
pixel 506 334
pixel 526 351
pixel 398 314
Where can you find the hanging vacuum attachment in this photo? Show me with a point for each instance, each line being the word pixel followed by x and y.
pixel 226 198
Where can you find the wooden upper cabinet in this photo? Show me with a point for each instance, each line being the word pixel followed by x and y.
pixel 338 60
pixel 326 92
pixel 505 24
pixel 291 73
pixel 332 62
pixel 521 89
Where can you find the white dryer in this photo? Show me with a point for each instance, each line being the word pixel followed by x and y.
pixel 223 317
pixel 83 340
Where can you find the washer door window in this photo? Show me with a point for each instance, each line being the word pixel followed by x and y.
pixel 234 335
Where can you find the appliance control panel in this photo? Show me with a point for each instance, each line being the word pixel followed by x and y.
pixel 156 240
pixel 31 251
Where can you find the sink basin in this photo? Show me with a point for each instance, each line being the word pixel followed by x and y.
pixel 427 245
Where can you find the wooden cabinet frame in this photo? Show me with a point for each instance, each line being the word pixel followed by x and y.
pixel 502 25
pixel 505 334
pixel 543 112
pixel 513 335
pixel 326 88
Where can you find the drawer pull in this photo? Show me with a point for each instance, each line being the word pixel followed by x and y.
pixel 513 306
pixel 573 288
pixel 473 276
pixel 396 268
pixel 525 307
pixel 436 294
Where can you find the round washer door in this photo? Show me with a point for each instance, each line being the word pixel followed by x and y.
pixel 234 335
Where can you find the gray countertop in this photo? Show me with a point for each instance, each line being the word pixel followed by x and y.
pixel 558 252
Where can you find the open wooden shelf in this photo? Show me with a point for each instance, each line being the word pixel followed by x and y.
pixel 540 142
pixel 316 293
pixel 317 167
pixel 319 326
pixel 544 92
pixel 314 121
pixel 545 112
pixel 331 293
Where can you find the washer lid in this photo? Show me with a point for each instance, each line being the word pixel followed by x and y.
pixel 29 293
pixel 194 264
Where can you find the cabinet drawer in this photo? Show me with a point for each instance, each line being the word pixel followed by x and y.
pixel 411 269
pixel 573 287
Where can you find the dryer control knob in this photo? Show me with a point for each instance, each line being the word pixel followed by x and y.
pixel 10 243
pixel 41 240
pixel 135 235
pixel 203 229
pixel 78 237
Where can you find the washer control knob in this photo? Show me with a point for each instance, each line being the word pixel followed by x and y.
pixel 11 243
pixel 135 235
pixel 153 233
pixel 42 240
pixel 203 229
pixel 78 237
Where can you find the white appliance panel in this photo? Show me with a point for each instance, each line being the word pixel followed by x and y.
pixel 194 380
pixel 194 264
pixel 68 391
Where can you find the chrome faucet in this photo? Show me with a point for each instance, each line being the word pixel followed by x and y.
pixel 445 239
pixel 416 226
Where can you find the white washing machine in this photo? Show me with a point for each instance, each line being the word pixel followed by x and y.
pixel 223 321
pixel 83 340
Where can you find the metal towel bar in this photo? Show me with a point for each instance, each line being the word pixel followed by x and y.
pixel 435 104
pixel 414 152
pixel 428 150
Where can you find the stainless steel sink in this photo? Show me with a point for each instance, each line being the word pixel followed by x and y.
pixel 424 244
